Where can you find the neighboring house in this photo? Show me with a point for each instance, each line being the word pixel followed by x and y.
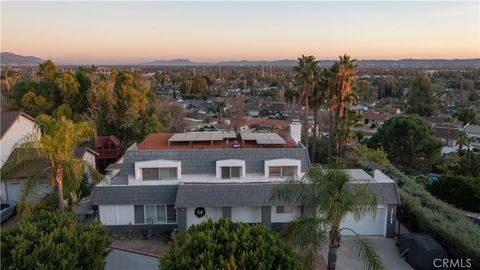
pixel 172 181
pixel 109 151
pixel 374 120
pixel 445 131
pixel 88 155
pixel 15 126
pixel 14 186
pixel 473 133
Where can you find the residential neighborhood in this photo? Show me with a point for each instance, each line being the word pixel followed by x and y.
pixel 240 135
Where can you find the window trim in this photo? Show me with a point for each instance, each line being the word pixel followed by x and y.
pixel 295 168
pixel 230 163
pixel 165 206
pixel 157 163
pixel 230 172
pixel 281 162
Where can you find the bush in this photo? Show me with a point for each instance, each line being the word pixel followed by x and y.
pixel 49 240
pixel 228 245
pixel 464 192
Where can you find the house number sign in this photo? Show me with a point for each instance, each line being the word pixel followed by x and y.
pixel 199 211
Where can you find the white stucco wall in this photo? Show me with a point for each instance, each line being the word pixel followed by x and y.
pixel 210 213
pixel 287 217
pixel 247 214
pixel 21 128
pixel 116 214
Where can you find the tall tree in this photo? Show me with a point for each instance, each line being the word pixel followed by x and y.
pixel 341 96
pixel 420 97
pixel 53 152
pixel 327 198
pixel 306 76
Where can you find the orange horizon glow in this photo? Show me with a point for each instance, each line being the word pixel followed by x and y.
pixel 127 32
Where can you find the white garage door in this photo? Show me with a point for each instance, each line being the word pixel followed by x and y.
pixel 367 225
pixel 14 190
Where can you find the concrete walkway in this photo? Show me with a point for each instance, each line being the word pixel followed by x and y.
pixel 123 260
pixel 348 259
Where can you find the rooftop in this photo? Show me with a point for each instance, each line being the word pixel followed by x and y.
pixel 214 140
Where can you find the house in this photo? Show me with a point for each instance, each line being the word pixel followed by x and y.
pixel 172 181
pixel 13 187
pixel 108 149
pixel 374 119
pixel 15 126
pixel 473 133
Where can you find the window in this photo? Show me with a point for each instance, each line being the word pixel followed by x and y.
pixel 282 171
pixel 168 173
pixel 146 214
pixel 231 172
pixel 159 173
pixel 284 209
pixel 150 174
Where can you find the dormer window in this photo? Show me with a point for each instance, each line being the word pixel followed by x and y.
pixel 282 168
pixel 233 172
pixel 155 170
pixel 230 169
pixel 282 171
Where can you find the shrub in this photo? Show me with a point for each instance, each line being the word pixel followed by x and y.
pixel 49 240
pixel 228 245
pixel 464 192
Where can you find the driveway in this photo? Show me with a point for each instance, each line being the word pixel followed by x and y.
pixel 123 260
pixel 347 255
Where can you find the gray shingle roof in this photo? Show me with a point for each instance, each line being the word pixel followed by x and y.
pixel 108 195
pixel 220 195
pixel 255 194
pixel 202 161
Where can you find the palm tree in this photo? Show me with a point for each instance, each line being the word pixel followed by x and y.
pixel 306 74
pixel 326 198
pixel 53 152
pixel 462 141
pixel 316 100
pixel 340 95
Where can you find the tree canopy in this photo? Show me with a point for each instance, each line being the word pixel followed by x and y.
pixel 228 245
pixel 420 97
pixel 409 141
pixel 119 103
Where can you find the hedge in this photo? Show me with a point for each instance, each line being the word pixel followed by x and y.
pixel 446 224
pixel 463 192
pixel 228 245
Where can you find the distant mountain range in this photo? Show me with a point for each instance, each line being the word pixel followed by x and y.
pixel 424 63
pixel 11 59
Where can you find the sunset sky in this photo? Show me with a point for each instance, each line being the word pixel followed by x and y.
pixel 128 32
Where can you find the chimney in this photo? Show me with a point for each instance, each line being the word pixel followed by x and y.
pixel 296 130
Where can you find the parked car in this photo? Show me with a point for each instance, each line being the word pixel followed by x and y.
pixel 7 209
pixel 420 250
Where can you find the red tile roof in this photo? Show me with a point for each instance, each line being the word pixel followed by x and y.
pixel 379 117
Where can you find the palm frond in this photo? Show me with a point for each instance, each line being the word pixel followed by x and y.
pixel 367 252
pixel 30 189
pixel 308 235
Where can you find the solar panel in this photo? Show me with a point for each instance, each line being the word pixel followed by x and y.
pixel 200 136
pixel 263 138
